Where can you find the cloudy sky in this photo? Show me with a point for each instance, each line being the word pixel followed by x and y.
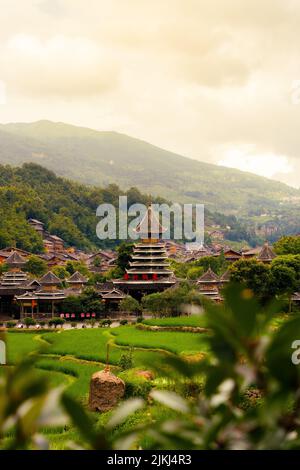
pixel 215 80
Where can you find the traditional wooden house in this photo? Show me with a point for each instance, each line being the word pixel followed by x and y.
pixel 208 285
pixel 266 255
pixel 13 283
pixel 38 226
pixel 3 256
pixel 101 261
pixel 58 243
pixel 77 281
pixel 15 261
pixel 225 278
pixel 232 255
pixel 197 254
pixel 50 281
pixel 253 253
pixel 113 298
pixel 42 301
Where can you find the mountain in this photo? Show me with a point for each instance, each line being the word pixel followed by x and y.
pixel 100 158
pixel 68 209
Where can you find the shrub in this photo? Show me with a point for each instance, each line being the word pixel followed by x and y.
pixel 56 321
pixel 73 324
pixel 126 360
pixel 28 321
pixel 123 322
pixel 135 385
pixel 11 324
pixel 106 322
pixel 140 319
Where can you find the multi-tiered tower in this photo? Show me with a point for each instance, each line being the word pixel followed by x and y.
pixel 149 270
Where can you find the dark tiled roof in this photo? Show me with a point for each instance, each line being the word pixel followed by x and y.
pixel 15 259
pixel 209 276
pixel 77 278
pixel 114 294
pixel 225 276
pixel 50 279
pixel 266 253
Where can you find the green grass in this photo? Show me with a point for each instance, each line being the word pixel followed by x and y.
pixel 20 345
pixel 194 321
pixel 88 344
pixel 91 344
pixel 175 342
pixel 70 357
pixel 77 375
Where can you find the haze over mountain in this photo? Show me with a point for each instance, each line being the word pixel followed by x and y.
pixel 100 158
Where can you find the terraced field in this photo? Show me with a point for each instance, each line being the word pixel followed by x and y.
pixel 70 357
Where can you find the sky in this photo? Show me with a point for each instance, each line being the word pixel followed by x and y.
pixel 214 80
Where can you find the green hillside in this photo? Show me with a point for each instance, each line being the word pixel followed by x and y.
pixel 68 209
pixel 100 158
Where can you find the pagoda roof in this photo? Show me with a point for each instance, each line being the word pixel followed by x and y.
pixel 77 278
pixel 11 249
pixel 15 259
pixel 225 276
pixel 114 294
pixel 252 252
pixel 149 257
pixel 150 224
pixel 141 282
pixel 50 279
pixel 208 276
pixel 42 295
pixel 145 263
pixel 143 245
pixel 105 286
pixel 149 271
pixel 266 253
pixel 149 250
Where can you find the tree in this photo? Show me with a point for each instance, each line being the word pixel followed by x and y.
pixel 130 305
pixel 283 280
pixel 254 275
pixel 36 266
pixel 290 261
pixel 73 266
pixel 124 254
pixel 195 272
pixel 61 272
pixel 289 245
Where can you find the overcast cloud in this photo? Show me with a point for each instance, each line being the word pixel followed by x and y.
pixel 215 80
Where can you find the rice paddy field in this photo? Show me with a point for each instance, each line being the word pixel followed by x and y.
pixel 70 356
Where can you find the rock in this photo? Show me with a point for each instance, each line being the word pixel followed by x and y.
pixel 105 391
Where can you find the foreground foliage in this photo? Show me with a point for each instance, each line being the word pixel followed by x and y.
pixel 250 398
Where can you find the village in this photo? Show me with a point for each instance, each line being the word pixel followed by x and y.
pixel 149 270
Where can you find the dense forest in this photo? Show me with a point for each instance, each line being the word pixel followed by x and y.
pixel 68 209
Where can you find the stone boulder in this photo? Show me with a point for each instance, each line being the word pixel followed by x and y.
pixel 105 391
